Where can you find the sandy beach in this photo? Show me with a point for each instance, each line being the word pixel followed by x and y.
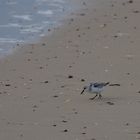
pixel 40 84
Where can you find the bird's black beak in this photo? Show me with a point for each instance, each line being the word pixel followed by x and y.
pixel 83 91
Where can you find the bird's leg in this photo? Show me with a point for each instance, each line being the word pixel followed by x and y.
pixel 94 97
pixel 100 96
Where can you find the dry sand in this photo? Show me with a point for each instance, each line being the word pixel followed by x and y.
pixel 40 84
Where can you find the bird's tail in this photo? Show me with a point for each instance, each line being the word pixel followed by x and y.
pixel 107 83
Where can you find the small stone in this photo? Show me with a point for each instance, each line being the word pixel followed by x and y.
pixel 75 112
pixel 83 133
pixel 84 3
pixel 54 125
pixel 138 132
pixel 55 96
pixel 65 130
pixel 110 103
pixel 21 135
pixel 128 73
pixel 115 36
pixel 84 127
pixel 49 30
pixel 46 82
pixel 71 19
pixel 70 76
pixel 77 29
pixel 130 1
pixel 127 124
pixel 136 11
pixel 7 85
pixel 93 139
pixel 82 80
pixel 35 106
pixel 64 121
pixel 63 86
pixel 82 14
pixel 43 44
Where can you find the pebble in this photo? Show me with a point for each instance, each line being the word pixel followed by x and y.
pixel 55 96
pixel 54 125
pixel 127 124
pixel 46 82
pixel 82 14
pixel 65 130
pixel 82 80
pixel 130 1
pixel 70 76
pixel 83 133
pixel 7 85
pixel 43 44
pixel 110 103
pixel 64 121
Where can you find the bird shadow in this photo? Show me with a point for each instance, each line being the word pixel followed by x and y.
pixel 107 100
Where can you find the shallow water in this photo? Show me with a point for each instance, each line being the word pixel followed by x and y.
pixel 25 20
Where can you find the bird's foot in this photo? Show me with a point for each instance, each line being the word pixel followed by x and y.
pixel 100 96
pixel 93 97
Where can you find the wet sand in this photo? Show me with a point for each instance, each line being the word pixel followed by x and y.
pixel 40 84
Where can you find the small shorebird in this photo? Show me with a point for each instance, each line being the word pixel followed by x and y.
pixel 95 88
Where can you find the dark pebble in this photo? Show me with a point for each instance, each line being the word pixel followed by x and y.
pixel 41 67
pixel 127 124
pixel 35 106
pixel 7 85
pixel 130 1
pixel 82 80
pixel 115 36
pixel 70 76
pixel 75 112
pixel 43 44
pixel 21 135
pixel 83 133
pixel 54 125
pixel 63 86
pixel 70 66
pixel 77 29
pixel 138 132
pixel 65 130
pixel 110 103
pixel 55 96
pixel 64 121
pixel 82 14
pixel 49 30
pixel 84 127
pixel 84 3
pixel 136 11
pixel 46 82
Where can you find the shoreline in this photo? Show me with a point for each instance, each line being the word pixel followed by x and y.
pixel 40 84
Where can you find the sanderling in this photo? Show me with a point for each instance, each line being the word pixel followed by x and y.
pixel 95 88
